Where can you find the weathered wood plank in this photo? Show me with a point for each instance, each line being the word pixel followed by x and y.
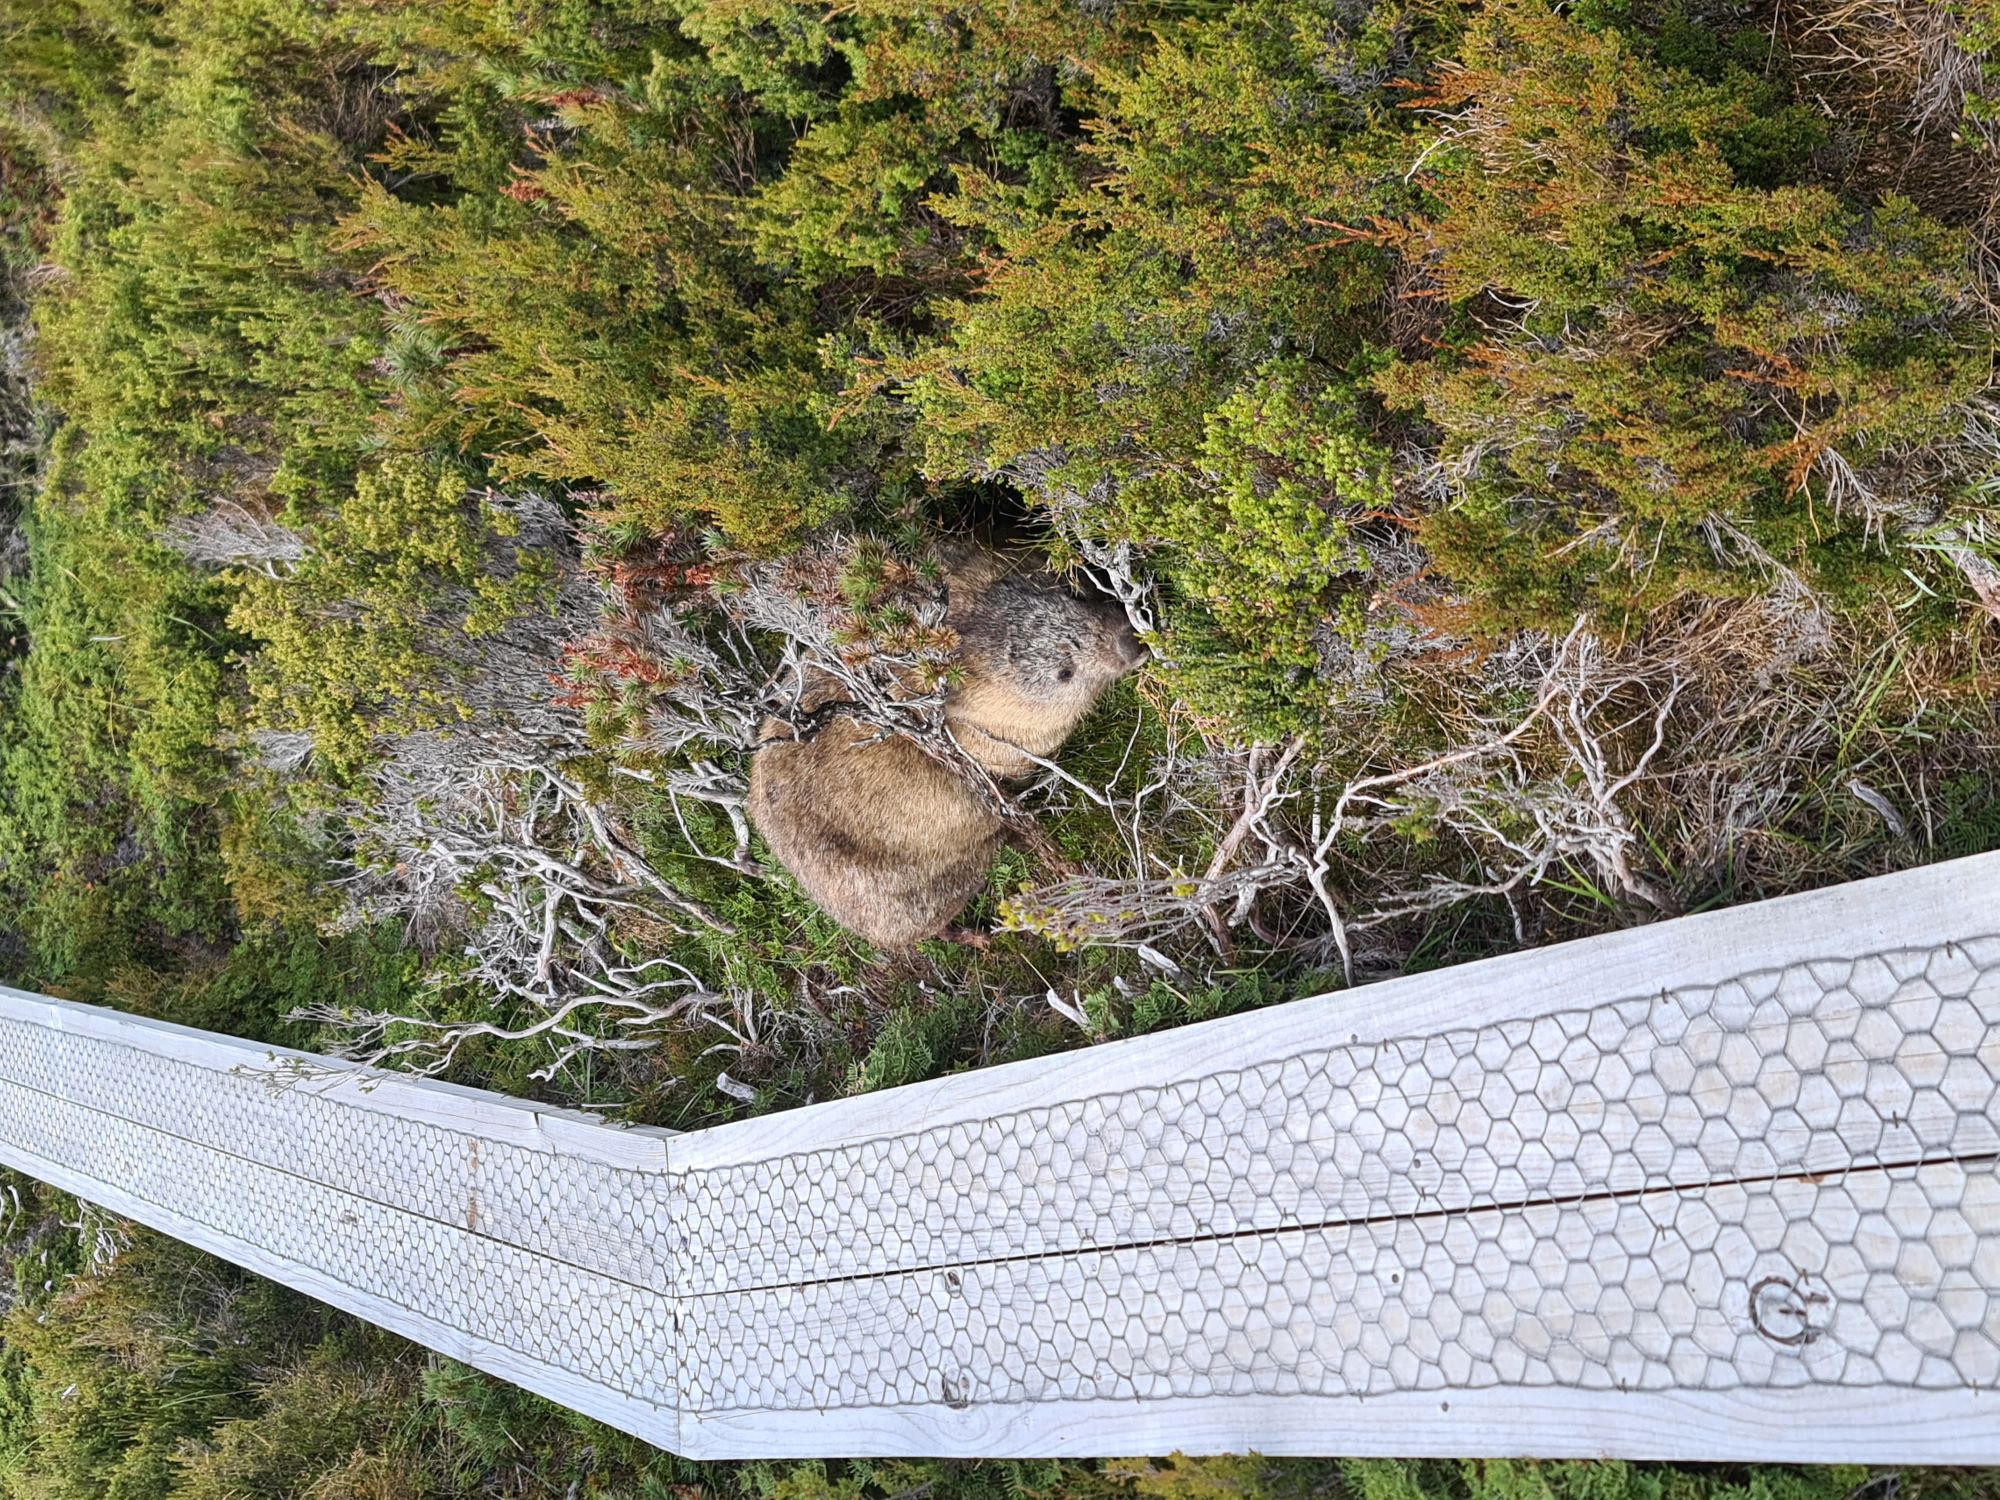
pixel 905 1162
pixel 1922 908
pixel 556 1183
pixel 1811 1425
pixel 1814 1067
pixel 1685 1290
pixel 599 1345
pixel 1728 1186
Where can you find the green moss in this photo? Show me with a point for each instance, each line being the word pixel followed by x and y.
pixel 348 641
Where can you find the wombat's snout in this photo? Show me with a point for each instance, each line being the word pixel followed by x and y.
pixel 1133 653
pixel 1118 645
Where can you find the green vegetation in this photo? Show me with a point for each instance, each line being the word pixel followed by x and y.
pixel 427 430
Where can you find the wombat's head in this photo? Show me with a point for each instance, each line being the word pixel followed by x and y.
pixel 1034 657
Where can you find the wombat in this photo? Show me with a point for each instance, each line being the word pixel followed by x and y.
pixel 886 840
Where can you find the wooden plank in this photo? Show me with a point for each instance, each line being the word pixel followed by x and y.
pixel 599 1345
pixel 1643 1194
pixel 591 1195
pixel 1922 908
pixel 1811 1067
pixel 1812 1425
pixel 491 1116
pixel 1690 1290
pixel 1661 1309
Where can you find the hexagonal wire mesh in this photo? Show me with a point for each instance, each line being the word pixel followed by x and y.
pixel 1783 1180
pixel 1773 1182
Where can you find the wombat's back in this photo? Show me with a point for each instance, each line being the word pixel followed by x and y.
pixel 888 842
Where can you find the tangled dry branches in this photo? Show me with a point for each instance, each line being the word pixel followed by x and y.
pixel 458 837
pixel 230 534
pixel 1550 790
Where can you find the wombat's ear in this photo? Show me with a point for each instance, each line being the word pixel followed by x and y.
pixel 969 566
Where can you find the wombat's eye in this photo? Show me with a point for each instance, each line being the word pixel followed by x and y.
pixel 1065 674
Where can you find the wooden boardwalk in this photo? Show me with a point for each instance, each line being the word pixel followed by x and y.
pixel 1724 1187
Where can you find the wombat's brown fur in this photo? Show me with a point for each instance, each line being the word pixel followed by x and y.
pixel 892 844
